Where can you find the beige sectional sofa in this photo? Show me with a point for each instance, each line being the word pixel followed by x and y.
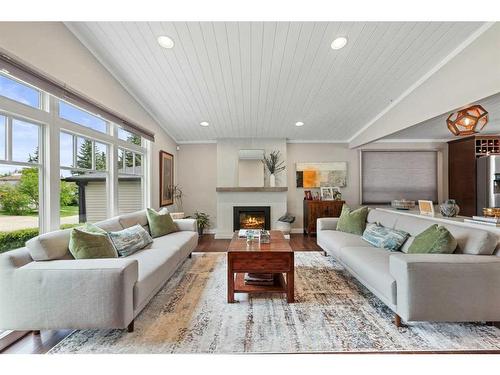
pixel 43 287
pixel 463 286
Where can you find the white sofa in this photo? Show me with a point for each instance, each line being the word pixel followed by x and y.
pixel 43 287
pixel 463 286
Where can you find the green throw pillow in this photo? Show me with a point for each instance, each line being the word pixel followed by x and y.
pixel 352 221
pixel 90 242
pixel 160 224
pixel 434 240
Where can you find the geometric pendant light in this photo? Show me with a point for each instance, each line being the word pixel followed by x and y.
pixel 467 121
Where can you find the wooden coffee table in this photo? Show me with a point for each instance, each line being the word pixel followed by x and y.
pixel 275 257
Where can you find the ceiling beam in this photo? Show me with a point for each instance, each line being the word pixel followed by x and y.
pixel 470 73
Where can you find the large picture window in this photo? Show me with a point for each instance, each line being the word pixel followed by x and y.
pixel 89 188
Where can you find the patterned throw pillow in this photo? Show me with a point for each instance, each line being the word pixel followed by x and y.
pixel 90 242
pixel 434 240
pixel 352 221
pixel 383 237
pixel 130 240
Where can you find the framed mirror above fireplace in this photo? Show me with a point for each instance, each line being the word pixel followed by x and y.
pixel 251 217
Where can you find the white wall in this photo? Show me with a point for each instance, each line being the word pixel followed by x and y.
pixel 198 171
pixel 51 48
pixel 197 175
pixel 228 159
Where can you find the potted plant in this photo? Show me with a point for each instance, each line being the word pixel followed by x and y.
pixel 274 166
pixel 202 220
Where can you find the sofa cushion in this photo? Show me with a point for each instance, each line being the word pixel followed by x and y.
pixel 128 241
pixel 333 241
pixel 185 241
pixel 386 219
pixel 50 246
pixel 156 265
pixel 352 221
pixel 131 219
pixel 383 237
pixel 470 240
pixel 371 266
pixel 110 225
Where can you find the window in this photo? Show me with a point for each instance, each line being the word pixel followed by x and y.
pixel 87 142
pixel 84 179
pixel 125 135
pixel 130 181
pixel 81 117
pixel 20 92
pixel 389 175
pixel 25 141
pixel 19 182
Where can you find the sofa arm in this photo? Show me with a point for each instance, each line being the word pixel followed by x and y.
pixel 78 294
pixel 326 223
pixel 447 287
pixel 186 224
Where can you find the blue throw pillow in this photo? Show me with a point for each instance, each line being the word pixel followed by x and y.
pixel 383 237
pixel 130 240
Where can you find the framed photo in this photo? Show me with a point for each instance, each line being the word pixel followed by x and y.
pixel 336 194
pixel 426 208
pixel 166 179
pixel 326 193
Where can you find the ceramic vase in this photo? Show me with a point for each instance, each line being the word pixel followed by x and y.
pixel 272 180
pixel 449 208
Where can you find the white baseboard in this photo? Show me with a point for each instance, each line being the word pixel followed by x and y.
pixel 297 230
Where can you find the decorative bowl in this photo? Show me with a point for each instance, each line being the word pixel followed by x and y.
pixel 402 204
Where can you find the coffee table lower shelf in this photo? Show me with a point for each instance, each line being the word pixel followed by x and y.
pixel 279 285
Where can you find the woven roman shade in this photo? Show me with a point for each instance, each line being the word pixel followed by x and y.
pixel 388 175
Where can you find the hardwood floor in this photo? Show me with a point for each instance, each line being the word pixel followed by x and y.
pixel 41 344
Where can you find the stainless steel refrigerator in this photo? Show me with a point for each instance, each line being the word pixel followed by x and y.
pixel 487 182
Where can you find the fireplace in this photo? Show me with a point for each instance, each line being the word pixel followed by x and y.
pixel 251 217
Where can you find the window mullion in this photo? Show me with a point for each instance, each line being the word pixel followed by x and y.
pixel 8 138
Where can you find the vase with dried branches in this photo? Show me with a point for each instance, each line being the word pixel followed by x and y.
pixel 274 166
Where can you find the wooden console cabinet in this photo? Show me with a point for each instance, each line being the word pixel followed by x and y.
pixel 316 209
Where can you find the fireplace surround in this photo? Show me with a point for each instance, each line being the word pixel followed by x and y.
pixel 251 217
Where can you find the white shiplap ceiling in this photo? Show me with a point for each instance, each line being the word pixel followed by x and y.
pixel 256 79
pixel 436 129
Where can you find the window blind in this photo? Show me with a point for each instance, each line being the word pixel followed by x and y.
pixel 388 175
pixel 30 75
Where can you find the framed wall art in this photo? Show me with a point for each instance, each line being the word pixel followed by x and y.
pixel 316 175
pixel 166 178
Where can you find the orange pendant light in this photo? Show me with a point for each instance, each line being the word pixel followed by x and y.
pixel 467 121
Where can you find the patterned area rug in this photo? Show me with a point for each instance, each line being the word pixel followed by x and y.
pixel 333 313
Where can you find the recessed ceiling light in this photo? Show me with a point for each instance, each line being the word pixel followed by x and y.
pixel 299 123
pixel 339 42
pixel 204 123
pixel 165 41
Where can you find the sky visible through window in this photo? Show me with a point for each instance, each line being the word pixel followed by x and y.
pixel 78 116
pixel 20 93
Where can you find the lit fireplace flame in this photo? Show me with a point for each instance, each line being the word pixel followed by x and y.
pixel 252 222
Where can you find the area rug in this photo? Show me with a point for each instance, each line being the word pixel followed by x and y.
pixel 332 313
